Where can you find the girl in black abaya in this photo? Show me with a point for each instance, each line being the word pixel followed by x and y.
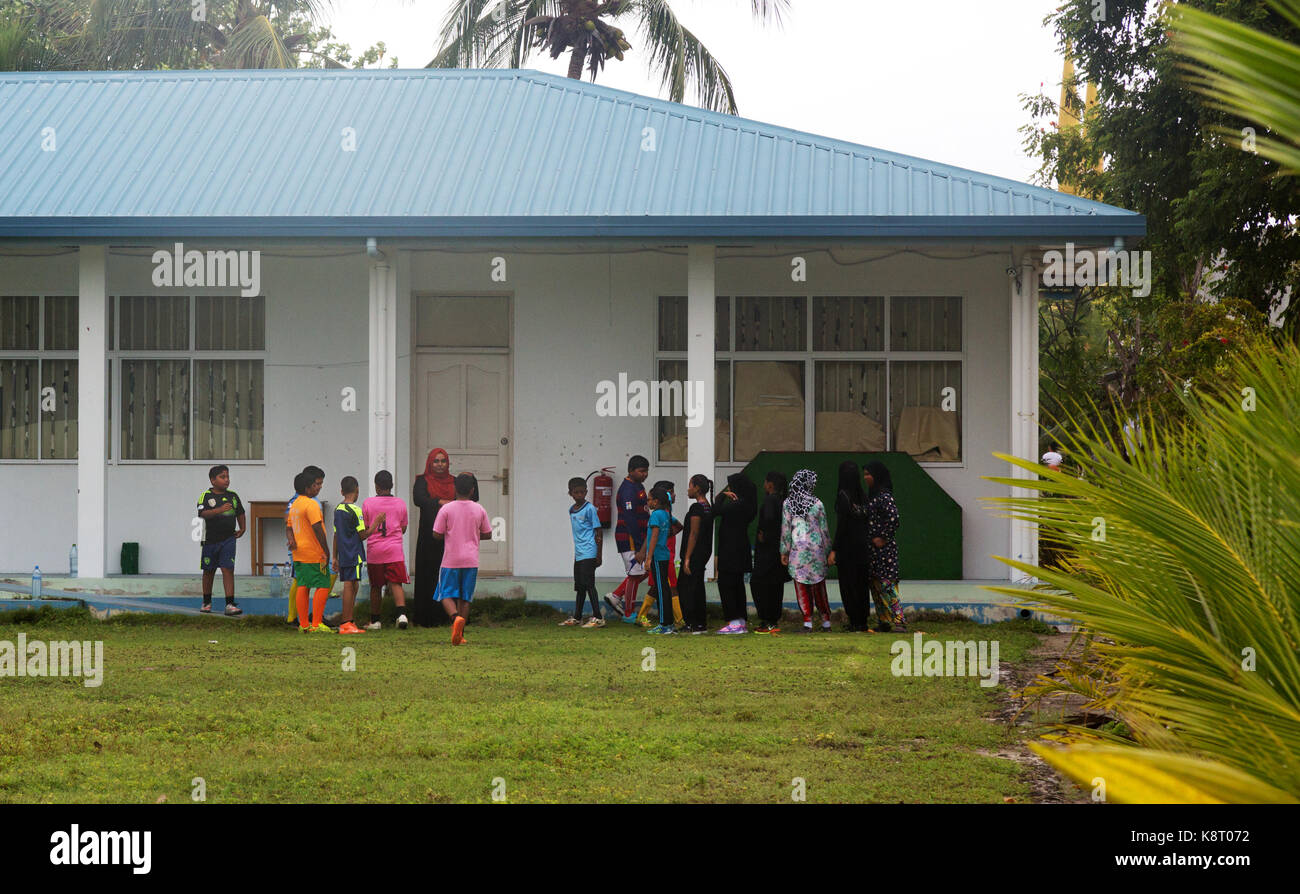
pixel 767 581
pixel 736 508
pixel 851 549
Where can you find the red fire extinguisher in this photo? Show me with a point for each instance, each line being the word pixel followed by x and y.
pixel 602 495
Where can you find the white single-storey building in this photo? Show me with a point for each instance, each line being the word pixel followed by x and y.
pixel 347 268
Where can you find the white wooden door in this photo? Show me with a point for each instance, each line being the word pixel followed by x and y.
pixel 463 406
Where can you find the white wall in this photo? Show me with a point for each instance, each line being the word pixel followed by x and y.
pixel 316 336
pixel 43 496
pixel 578 319
pixel 568 337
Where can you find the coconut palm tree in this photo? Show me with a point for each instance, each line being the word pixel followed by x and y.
pixel 503 33
pixel 1248 73
pixel 1183 572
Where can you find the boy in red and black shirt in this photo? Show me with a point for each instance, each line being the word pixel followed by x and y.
pixel 630 534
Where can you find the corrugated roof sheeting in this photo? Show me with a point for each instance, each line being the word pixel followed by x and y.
pixel 445 144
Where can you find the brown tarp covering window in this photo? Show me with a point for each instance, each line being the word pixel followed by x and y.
pixel 929 434
pixel 673 450
pixel 849 432
pixel 769 409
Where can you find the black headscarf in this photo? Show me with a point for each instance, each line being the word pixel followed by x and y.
pixel 880 479
pixel 740 485
pixel 851 482
pixel 779 484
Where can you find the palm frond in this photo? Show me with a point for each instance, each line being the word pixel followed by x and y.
pixel 510 43
pixel 770 11
pixel 1138 776
pixel 466 34
pixel 1186 571
pixel 1246 73
pixel 682 61
pixel 257 45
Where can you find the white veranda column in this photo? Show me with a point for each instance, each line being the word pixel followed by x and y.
pixel 382 369
pixel 92 410
pixel 700 324
pixel 1024 402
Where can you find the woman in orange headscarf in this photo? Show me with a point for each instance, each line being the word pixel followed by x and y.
pixel 435 488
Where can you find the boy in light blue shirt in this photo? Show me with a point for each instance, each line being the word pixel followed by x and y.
pixel 587 542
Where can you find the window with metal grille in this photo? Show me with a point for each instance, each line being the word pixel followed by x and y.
pixel 190 377
pixel 924 323
pixel 673 329
pixel 844 373
pixel 38 377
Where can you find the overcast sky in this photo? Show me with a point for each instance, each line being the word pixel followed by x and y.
pixel 938 79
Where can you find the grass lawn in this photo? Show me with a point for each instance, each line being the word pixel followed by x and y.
pixel 265 714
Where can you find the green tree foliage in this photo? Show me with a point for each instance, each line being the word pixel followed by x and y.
pixel 175 34
pixel 42 35
pixel 1220 221
pixel 1163 158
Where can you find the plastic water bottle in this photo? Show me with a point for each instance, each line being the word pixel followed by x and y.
pixel 36 583
pixel 72 561
pixel 284 580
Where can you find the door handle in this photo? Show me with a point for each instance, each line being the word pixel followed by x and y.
pixel 505 482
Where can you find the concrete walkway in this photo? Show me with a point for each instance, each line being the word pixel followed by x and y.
pixel 265 596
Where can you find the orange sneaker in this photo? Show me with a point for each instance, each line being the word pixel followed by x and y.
pixel 350 627
pixel 458 631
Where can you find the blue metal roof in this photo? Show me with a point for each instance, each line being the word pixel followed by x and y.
pixel 467 153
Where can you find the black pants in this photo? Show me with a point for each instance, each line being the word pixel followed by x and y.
pixel 731 588
pixel 427 612
pixel 658 569
pixel 690 590
pixel 855 593
pixel 584 584
pixel 768 588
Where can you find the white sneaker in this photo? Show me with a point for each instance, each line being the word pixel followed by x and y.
pixel 374 625
pixel 401 622
pixel 615 604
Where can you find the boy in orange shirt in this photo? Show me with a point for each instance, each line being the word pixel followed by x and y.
pixel 311 553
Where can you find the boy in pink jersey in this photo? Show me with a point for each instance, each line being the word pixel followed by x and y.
pixel 385 556
pixel 460 524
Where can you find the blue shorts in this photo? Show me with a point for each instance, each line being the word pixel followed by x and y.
pixel 350 570
pixel 218 555
pixel 456 583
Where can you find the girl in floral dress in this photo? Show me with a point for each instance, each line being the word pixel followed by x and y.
pixel 805 540
pixel 882 522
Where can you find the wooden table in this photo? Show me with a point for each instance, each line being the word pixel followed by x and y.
pixel 259 510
